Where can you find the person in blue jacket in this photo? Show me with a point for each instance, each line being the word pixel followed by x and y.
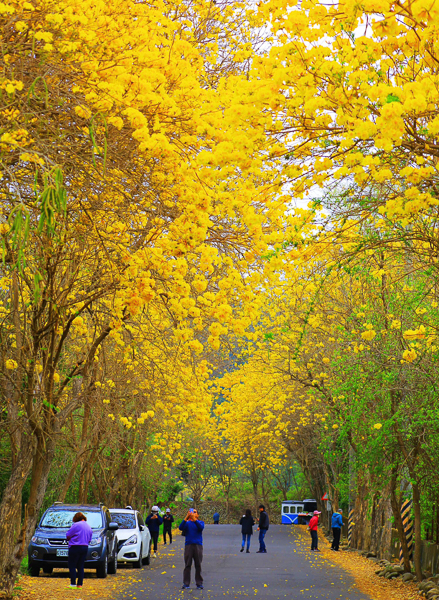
pixel 216 518
pixel 153 522
pixel 192 529
pixel 336 523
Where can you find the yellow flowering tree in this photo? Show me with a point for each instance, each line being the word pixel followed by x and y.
pixel 134 190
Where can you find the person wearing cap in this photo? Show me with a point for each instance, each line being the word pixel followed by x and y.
pixel 336 524
pixel 264 523
pixel 153 522
pixel 168 519
pixel 192 528
pixel 313 526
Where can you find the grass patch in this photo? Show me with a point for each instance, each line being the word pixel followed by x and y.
pixel 24 566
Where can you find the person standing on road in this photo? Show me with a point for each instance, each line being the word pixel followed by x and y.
pixel 313 526
pixel 79 536
pixel 264 523
pixel 168 519
pixel 154 521
pixel 246 522
pixel 337 524
pixel 216 518
pixel 192 529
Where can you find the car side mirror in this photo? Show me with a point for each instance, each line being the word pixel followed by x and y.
pixel 142 527
pixel 113 526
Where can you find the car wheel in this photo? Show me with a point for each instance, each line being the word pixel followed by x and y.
pixel 102 568
pixel 112 566
pixel 48 570
pixel 138 563
pixel 34 571
pixel 147 559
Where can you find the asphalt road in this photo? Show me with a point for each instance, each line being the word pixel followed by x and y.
pixel 288 570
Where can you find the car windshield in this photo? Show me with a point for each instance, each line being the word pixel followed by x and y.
pixel 124 520
pixel 64 518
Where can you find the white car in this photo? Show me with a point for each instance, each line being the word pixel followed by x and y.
pixel 133 537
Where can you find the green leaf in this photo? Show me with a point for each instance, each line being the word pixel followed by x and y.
pixel 392 98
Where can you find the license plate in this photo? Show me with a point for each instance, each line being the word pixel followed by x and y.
pixel 62 552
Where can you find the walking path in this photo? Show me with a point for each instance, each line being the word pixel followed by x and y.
pixel 288 570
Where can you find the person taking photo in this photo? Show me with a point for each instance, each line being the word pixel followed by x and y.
pixel 153 522
pixel 192 529
pixel 313 527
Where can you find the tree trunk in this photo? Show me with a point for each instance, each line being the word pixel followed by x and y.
pixel 437 521
pixel 375 536
pixel 76 461
pixel 255 495
pixel 418 539
pixel 116 483
pixel 87 479
pixel 10 517
pixel 266 495
pixel 133 481
pixel 99 488
pixel 386 528
pixel 381 530
pixel 82 484
pixel 69 479
pixel 42 461
pixel 396 509
pixel 361 506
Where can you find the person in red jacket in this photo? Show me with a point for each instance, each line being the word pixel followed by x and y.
pixel 313 526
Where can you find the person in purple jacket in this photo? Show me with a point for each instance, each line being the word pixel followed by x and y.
pixel 78 536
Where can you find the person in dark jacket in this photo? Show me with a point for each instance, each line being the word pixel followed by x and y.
pixel 79 536
pixel 216 518
pixel 313 527
pixel 246 522
pixel 154 521
pixel 168 519
pixel 336 524
pixel 264 523
pixel 192 529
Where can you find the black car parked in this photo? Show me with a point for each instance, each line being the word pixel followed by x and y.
pixel 48 548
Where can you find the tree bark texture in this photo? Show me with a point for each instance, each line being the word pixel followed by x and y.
pixel 418 538
pixel 10 518
pixel 396 509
